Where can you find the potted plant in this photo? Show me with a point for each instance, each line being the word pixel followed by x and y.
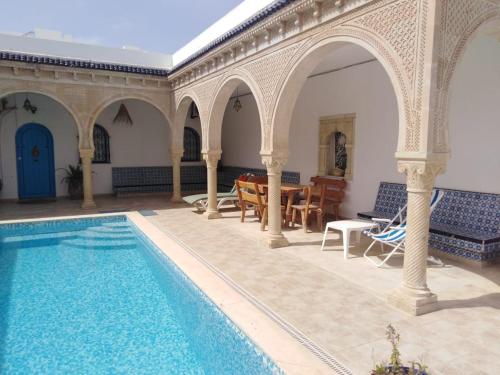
pixel 74 179
pixel 395 366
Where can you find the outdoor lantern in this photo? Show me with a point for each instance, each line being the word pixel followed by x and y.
pixel 237 103
pixel 123 117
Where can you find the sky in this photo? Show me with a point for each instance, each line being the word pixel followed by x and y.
pixel 153 25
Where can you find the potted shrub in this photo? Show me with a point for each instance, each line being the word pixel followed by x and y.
pixel 74 179
pixel 395 366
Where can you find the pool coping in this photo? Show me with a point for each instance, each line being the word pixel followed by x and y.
pixel 287 347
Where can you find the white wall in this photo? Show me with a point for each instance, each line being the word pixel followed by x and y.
pixel 475 120
pixel 241 134
pixel 145 143
pixel 366 91
pixel 54 117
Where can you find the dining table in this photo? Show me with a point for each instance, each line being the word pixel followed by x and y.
pixel 288 191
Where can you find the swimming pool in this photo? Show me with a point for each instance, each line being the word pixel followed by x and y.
pixel 95 295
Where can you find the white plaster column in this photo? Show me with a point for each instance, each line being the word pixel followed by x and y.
pixel 212 159
pixel 176 156
pixel 86 156
pixel 414 296
pixel 274 165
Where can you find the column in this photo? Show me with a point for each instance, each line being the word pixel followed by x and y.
pixel 86 156
pixel 413 295
pixel 212 158
pixel 176 156
pixel 274 167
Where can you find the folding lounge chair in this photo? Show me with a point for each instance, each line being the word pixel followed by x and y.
pixel 394 236
pixel 200 201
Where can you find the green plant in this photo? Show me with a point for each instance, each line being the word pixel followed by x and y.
pixel 74 174
pixel 74 179
pixel 394 366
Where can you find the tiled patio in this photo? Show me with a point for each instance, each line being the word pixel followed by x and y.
pixel 339 304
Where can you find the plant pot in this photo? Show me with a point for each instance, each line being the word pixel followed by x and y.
pixel 75 190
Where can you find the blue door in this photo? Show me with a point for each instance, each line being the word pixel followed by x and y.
pixel 35 162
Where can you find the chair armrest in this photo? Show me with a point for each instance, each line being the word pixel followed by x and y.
pixel 376 219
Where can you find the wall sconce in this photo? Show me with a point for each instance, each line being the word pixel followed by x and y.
pixel 29 107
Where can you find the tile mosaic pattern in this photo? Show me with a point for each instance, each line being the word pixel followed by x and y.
pixel 464 223
pixel 157 179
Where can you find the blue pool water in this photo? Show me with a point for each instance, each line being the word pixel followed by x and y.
pixel 94 296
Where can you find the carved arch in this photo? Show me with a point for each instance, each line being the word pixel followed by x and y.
pixel 441 129
pixel 116 98
pixel 306 59
pixel 223 92
pixel 183 103
pixel 73 113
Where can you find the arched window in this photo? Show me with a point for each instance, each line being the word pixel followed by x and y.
pixel 101 144
pixel 192 150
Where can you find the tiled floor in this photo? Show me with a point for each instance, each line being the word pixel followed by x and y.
pixel 340 304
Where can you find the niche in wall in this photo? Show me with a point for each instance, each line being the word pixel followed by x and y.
pixel 336 144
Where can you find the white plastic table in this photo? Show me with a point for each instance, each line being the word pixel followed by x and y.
pixel 346 227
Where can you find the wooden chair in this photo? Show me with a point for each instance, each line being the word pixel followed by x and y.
pixel 250 197
pixel 314 203
pixel 334 194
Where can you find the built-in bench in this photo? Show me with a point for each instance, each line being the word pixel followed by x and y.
pixel 157 179
pixel 227 174
pixel 465 224
pixel 193 178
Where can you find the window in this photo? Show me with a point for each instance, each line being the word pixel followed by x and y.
pixel 192 151
pixel 101 144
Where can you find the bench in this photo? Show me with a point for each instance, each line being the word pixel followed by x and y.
pixel 465 224
pixel 156 179
pixel 227 174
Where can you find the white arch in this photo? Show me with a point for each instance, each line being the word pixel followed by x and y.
pixel 54 98
pixel 116 98
pixel 304 64
pixel 181 112
pixel 218 106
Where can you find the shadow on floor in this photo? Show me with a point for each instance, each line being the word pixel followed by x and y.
pixel 488 300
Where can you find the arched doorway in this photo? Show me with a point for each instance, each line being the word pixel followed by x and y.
pixel 35 162
pixel 19 109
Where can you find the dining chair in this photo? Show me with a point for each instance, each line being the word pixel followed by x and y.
pixel 250 197
pixel 313 204
pixel 334 194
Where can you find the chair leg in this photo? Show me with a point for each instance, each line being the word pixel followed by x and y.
pixel 263 222
pixel 304 220
pixel 243 211
pixel 319 220
pixel 294 216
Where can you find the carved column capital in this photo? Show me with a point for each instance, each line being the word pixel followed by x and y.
pixel 274 163
pixel 212 157
pixel 86 153
pixel 420 174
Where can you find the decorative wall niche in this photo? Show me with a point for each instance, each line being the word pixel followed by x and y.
pixel 336 144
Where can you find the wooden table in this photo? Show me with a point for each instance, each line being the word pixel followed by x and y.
pixel 288 191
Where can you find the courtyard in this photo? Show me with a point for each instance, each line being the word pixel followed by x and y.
pixel 339 305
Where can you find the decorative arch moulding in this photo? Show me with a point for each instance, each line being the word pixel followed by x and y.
pixel 283 26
